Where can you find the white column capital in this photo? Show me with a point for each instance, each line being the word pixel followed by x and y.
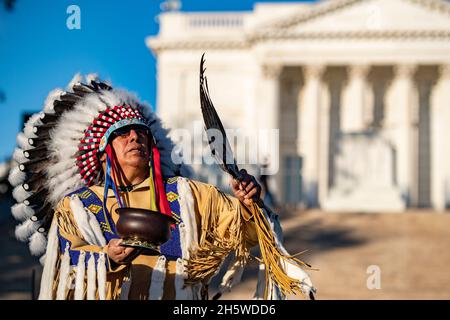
pixel 358 70
pixel 405 70
pixel 313 71
pixel 271 71
pixel 444 70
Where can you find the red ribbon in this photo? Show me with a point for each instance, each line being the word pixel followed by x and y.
pixel 163 204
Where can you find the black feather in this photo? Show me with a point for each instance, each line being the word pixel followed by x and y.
pixel 62 106
pixel 33 166
pixel 82 89
pixel 35 183
pixel 70 97
pixel 35 153
pixel 41 211
pixel 47 118
pixel 37 199
pixel 38 142
pixel 100 86
pixel 220 147
pixel 46 222
pixel 42 130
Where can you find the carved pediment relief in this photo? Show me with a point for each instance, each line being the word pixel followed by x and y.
pixel 347 16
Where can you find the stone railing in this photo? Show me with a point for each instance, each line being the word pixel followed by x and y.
pixel 215 20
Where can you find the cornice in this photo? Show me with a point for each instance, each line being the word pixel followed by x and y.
pixel 157 45
pixel 401 35
pixel 370 35
pixel 325 7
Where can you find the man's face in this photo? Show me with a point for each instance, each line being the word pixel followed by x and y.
pixel 131 147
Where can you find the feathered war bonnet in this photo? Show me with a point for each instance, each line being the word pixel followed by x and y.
pixel 58 151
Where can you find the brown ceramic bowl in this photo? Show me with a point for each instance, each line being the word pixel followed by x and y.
pixel 143 229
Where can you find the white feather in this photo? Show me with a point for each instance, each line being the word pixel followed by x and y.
pixel 197 291
pixel 82 219
pixel 24 231
pixel 96 229
pixel 61 187
pixel 20 194
pixel 93 104
pixel 91 285
pixel 77 118
pixel 186 201
pixel 37 244
pixel 91 77
pixel 33 121
pixel 51 97
pixel 233 276
pixel 66 150
pixel 101 276
pixel 43 257
pixel 124 96
pixel 22 141
pixel 71 279
pixel 51 257
pixel 87 111
pixel 58 168
pixel 292 270
pixel 76 79
pixel 79 280
pixel 65 187
pixel 188 239
pixel 296 272
pixel 64 271
pixel 157 281
pixel 21 212
pixel 274 292
pixel 16 177
pixel 261 284
pixel 18 156
pixel 181 292
pixel 183 241
pixel 60 143
pixel 111 98
pixel 276 229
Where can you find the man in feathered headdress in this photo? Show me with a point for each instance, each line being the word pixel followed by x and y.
pixel 94 149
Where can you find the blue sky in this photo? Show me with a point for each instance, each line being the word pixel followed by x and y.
pixel 38 52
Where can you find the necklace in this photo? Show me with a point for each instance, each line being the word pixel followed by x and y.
pixel 128 188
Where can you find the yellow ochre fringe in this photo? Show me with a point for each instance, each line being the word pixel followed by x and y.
pixel 213 249
pixel 272 258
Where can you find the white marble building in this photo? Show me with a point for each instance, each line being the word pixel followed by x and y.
pixel 360 90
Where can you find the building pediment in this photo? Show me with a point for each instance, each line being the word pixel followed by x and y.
pixel 362 16
pixel 395 20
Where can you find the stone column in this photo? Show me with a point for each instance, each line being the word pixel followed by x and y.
pixel 401 104
pixel 354 99
pixel 324 142
pixel 440 144
pixel 268 102
pixel 308 122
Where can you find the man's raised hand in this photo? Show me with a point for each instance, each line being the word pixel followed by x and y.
pixel 245 189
